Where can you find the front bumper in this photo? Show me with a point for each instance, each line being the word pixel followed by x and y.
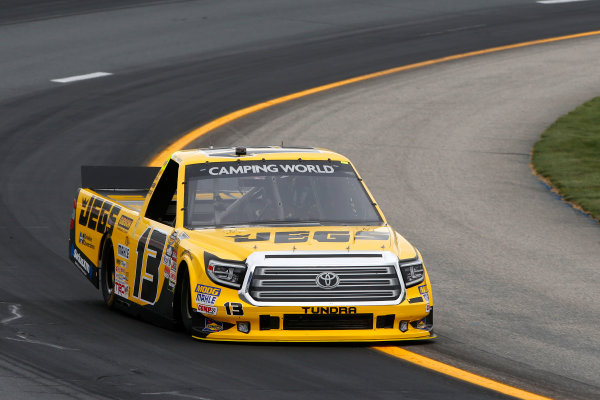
pixel 319 324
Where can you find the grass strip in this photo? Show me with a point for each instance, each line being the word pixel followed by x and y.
pixel 568 156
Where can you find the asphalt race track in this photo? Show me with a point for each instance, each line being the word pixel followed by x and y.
pixel 444 149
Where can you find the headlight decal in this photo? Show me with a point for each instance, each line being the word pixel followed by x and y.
pixel 224 272
pixel 413 272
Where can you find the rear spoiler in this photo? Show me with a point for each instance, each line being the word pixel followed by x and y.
pixel 109 177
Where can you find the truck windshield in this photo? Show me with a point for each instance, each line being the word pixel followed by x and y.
pixel 276 193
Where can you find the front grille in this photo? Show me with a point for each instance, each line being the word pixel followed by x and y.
pixel 298 284
pixel 299 322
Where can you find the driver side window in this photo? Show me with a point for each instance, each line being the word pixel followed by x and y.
pixel 162 206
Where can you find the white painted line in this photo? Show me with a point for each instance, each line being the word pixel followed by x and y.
pixel 177 394
pixel 14 310
pixel 557 1
pixel 81 77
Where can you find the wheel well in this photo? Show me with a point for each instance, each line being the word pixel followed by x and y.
pixel 182 271
pixel 105 238
pixel 107 256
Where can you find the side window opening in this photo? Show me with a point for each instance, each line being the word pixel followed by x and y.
pixel 162 205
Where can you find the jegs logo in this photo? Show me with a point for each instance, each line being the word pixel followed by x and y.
pixel 98 214
pixel 303 236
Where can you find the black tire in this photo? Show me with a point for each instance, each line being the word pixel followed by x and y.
pixel 185 301
pixel 107 274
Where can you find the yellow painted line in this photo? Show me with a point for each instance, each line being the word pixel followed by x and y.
pixel 459 373
pixel 204 129
pixel 394 351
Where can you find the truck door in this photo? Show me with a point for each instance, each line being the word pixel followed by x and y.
pixel 153 244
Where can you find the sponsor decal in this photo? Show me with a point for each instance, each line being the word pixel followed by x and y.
pixel 173 276
pixel 80 261
pixel 169 260
pixel 124 223
pixel 123 251
pixel 122 289
pixel 208 290
pixel 85 240
pixel 120 278
pixel 98 214
pixel 206 299
pixel 172 238
pixel 207 309
pixel 423 324
pixel 121 267
pixel 212 326
pixel 329 310
pixel 271 168
pixel 415 300
pixel 264 168
pixel 425 293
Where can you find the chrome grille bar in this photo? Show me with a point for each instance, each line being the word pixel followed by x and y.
pixel 279 278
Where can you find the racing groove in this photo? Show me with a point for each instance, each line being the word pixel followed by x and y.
pixel 445 150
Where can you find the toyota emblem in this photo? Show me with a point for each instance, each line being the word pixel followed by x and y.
pixel 327 280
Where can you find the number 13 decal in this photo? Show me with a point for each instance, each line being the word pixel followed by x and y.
pixel 149 253
pixel 234 308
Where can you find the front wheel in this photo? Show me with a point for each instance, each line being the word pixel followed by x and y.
pixel 185 308
pixel 107 274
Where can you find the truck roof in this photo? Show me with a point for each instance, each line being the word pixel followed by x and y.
pixel 221 154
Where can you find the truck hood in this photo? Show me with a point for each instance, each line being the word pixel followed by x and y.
pixel 238 243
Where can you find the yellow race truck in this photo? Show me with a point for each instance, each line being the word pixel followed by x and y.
pixel 250 244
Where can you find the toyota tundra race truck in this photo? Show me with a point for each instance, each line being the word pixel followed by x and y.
pixel 250 244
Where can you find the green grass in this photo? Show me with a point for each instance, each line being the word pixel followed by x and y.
pixel 568 155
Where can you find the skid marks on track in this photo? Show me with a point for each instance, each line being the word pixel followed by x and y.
pixel 11 312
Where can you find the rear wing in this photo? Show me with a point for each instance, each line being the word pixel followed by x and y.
pixel 117 178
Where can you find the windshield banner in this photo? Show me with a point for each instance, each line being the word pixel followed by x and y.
pixel 270 167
